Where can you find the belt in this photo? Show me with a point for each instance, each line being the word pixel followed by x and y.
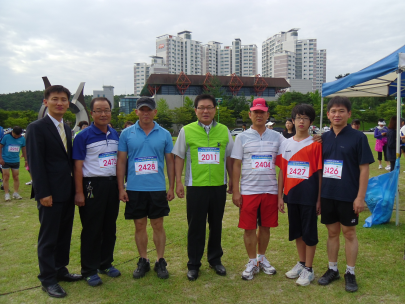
pixel 100 178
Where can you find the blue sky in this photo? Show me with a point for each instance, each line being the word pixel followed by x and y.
pixel 99 41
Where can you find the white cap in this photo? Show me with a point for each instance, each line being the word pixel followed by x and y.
pixel 269 123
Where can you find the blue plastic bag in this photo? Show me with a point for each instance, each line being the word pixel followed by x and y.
pixel 380 196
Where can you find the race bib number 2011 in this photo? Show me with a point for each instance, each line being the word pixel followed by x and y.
pixel 208 156
pixel 332 168
pixel 108 159
pixel 146 165
pixel 298 169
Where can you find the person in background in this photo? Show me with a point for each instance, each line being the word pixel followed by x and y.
pixel 1 170
pixel 244 127
pixel 269 125
pixel 289 130
pixel 356 124
pixel 82 125
pixel 380 133
pixel 392 141
pixel 128 124
pixel 402 135
pixel 10 147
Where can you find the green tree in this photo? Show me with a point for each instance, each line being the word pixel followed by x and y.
pixel 225 116
pixel 238 104
pixel 12 122
pixel 297 97
pixel 284 112
pixel 181 116
pixel 215 89
pixel 131 116
pixel 387 110
pixel 245 116
pixel 164 116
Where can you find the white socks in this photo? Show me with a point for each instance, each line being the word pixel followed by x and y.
pixel 333 266
pixel 260 257
pixel 253 261
pixel 349 269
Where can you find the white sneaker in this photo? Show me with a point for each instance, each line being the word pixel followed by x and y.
pixel 264 265
pixel 388 168
pixel 251 269
pixel 306 277
pixel 29 183
pixel 17 196
pixel 295 272
pixel 7 197
pixel 379 166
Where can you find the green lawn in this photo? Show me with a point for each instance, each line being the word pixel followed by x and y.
pixel 380 266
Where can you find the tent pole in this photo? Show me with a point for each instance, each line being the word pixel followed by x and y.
pixel 399 87
pixel 320 127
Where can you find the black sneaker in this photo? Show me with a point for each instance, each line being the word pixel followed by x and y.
pixel 329 276
pixel 143 268
pixel 351 284
pixel 160 268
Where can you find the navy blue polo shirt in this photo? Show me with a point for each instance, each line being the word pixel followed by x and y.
pixel 98 150
pixel 349 149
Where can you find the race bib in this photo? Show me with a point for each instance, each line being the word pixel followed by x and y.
pixel 13 148
pixel 108 159
pixel 146 165
pixel 298 169
pixel 262 162
pixel 208 156
pixel 332 168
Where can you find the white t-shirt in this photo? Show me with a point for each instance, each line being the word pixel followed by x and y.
pixel 258 155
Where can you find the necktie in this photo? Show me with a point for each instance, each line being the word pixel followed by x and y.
pixel 63 135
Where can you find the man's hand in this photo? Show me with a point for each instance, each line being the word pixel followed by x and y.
pixel 170 195
pixel 2 162
pixel 79 199
pixel 358 205
pixel 230 185
pixel 179 190
pixel 317 138
pixel 318 207
pixel 46 201
pixel 281 205
pixel 123 196
pixel 237 199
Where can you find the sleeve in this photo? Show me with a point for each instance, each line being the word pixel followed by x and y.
pixel 36 153
pixel 122 143
pixel 279 156
pixel 229 146
pixel 377 133
pixel 237 150
pixel 169 143
pixel 180 145
pixel 364 156
pixel 318 154
pixel 79 147
pixel 3 140
pixel 23 142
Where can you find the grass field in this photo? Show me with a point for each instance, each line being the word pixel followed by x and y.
pixel 380 266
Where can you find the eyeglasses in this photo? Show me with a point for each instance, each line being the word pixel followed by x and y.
pixel 99 112
pixel 302 118
pixel 205 108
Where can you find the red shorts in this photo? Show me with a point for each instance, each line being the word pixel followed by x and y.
pixel 258 210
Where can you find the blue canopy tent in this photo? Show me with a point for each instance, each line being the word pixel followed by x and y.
pixel 380 79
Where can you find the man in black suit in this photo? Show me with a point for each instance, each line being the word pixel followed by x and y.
pixel 49 149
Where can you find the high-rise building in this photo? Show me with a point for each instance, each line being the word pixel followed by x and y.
pixel 209 58
pixel 142 70
pixel 284 55
pixel 225 61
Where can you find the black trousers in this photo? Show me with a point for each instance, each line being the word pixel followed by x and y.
pixel 54 240
pixel 202 202
pixel 98 216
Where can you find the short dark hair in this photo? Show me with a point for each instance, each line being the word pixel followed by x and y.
pixel 355 121
pixel 340 101
pixel 17 130
pixel 56 89
pixel 82 123
pixel 303 109
pixel 205 96
pixel 128 123
pixel 98 99
pixel 393 123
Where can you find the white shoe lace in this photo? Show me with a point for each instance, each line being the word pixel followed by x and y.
pixel 250 266
pixel 304 274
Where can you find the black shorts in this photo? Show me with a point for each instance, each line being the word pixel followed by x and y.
pixel 333 211
pixel 302 221
pixel 142 204
pixel 403 148
pixel 14 166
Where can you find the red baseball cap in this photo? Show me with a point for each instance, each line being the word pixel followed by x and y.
pixel 259 104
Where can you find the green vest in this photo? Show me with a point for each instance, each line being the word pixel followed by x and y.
pixel 196 137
